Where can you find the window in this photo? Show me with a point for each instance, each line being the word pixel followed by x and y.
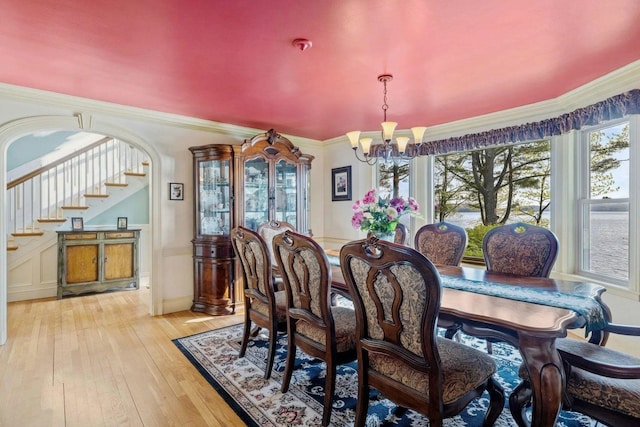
pixel 393 181
pixel 604 203
pixel 484 188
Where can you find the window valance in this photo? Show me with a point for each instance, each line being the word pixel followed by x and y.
pixel 609 109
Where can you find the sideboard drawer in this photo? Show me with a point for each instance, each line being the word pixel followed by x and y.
pixel 210 250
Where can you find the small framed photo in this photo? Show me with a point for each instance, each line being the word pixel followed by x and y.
pixel 122 223
pixel 77 224
pixel 341 184
pixel 176 191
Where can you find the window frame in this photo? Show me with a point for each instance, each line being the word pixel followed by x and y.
pixel 584 201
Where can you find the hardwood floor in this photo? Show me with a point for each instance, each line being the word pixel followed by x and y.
pixel 101 360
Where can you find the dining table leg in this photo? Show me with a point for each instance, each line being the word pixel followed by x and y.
pixel 547 378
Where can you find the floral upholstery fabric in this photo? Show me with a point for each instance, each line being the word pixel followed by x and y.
pixel 622 395
pixel 281 306
pixel 305 273
pixel 463 369
pixel 440 248
pixel 344 319
pixel 410 309
pixel 615 394
pixel 253 264
pixel 523 254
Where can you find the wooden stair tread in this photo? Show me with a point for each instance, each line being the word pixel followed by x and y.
pixel 145 163
pixel 115 184
pixel 75 207
pixel 52 219
pixel 12 247
pixel 135 174
pixel 96 195
pixel 27 233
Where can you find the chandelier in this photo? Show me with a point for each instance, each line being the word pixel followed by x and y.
pixel 390 151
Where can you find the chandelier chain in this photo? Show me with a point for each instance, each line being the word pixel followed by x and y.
pixel 385 107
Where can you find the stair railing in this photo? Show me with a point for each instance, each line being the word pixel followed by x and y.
pixel 43 194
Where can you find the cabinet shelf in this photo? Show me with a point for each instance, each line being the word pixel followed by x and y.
pixel 283 188
pixel 213 278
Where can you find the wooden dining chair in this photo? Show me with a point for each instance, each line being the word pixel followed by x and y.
pixel 396 294
pixel 267 231
pixel 520 249
pixel 262 304
pixel 443 243
pixel 320 330
pixel 600 382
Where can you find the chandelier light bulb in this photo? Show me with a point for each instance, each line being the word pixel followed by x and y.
pixel 354 137
pixel 387 130
pixel 418 134
pixel 366 145
pixel 402 143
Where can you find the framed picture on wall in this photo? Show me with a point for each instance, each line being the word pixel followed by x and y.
pixel 77 224
pixel 122 223
pixel 176 191
pixel 341 184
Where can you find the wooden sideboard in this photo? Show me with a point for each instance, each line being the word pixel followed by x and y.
pixel 97 260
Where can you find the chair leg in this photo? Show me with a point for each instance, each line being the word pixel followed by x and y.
pixel 245 334
pixel 519 399
pixel 273 337
pixel 489 347
pixel 451 332
pixel 329 390
pixel 362 405
pixel 291 360
pixel 496 402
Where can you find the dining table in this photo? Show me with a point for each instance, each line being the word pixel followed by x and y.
pixel 528 312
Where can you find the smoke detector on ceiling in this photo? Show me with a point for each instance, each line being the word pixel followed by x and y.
pixel 302 44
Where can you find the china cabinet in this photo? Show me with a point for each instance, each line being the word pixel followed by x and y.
pixel 272 182
pixel 96 261
pixel 212 253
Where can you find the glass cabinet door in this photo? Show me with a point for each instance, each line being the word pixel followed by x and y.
pixel 214 192
pixel 256 192
pixel 285 193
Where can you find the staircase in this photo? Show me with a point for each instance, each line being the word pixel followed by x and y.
pixel 83 184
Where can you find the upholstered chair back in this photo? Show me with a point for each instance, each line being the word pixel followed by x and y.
pixel 254 258
pixel 306 273
pixel 313 325
pixel 443 243
pixel 396 295
pixel 520 249
pixel 401 234
pixel 270 229
pixel 263 305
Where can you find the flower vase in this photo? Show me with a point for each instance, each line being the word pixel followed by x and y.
pixel 388 236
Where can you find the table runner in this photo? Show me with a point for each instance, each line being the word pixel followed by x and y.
pixel 587 307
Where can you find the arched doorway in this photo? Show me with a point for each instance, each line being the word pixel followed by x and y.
pixel 16 129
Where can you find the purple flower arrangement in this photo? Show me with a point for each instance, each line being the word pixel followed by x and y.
pixel 381 215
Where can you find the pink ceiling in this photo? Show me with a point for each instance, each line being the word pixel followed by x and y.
pixel 233 62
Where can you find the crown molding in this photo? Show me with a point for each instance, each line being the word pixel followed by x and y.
pixel 91 107
pixel 614 83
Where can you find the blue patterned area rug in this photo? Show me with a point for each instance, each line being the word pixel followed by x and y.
pixel 259 402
